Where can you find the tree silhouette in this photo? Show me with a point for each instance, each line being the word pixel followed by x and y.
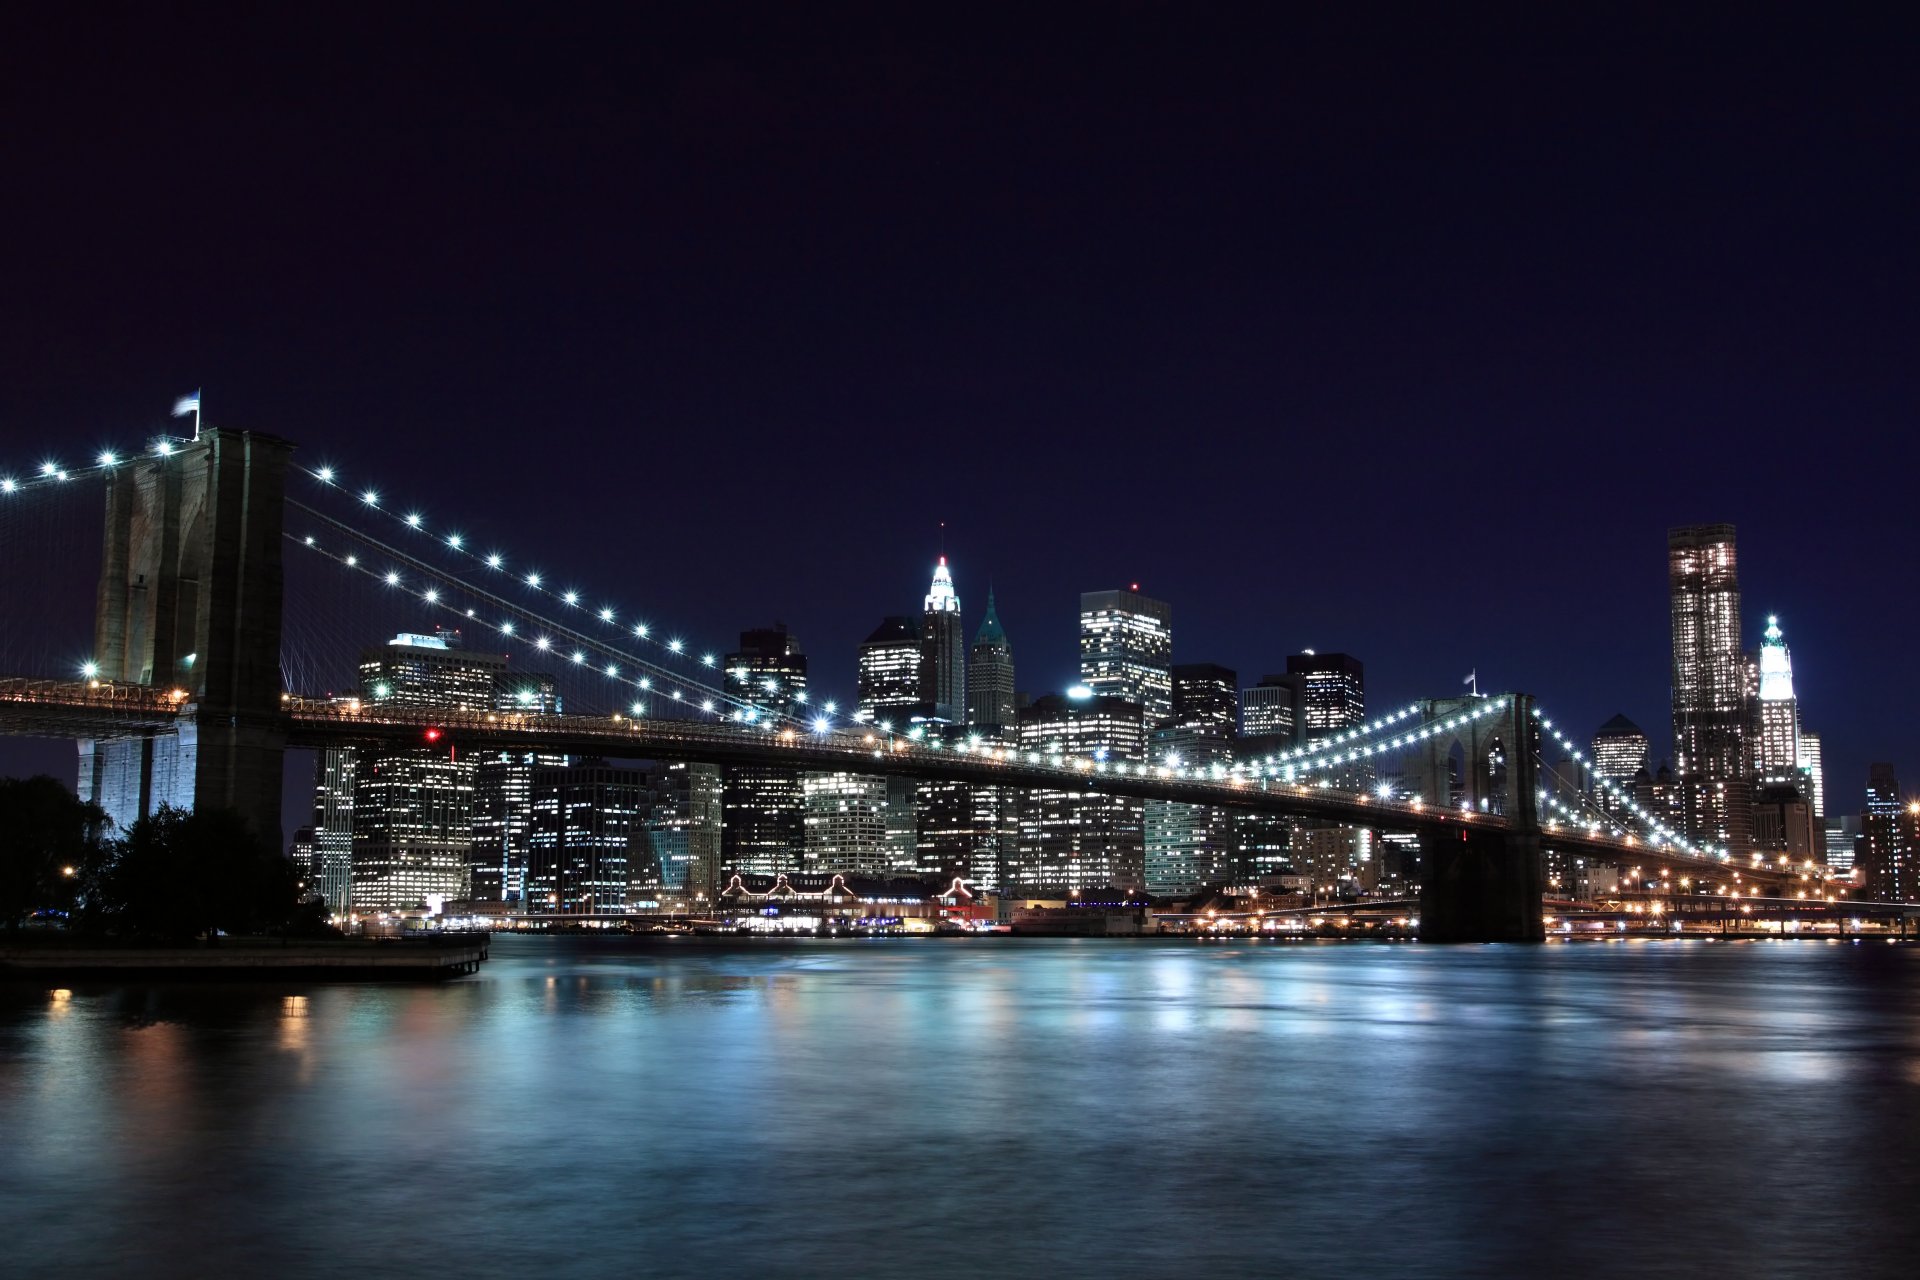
pixel 181 873
pixel 50 846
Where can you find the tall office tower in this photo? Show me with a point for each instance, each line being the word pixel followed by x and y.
pixel 1080 840
pixel 1270 710
pixel 889 683
pixel 1205 695
pixel 764 828
pixel 413 810
pixel 683 825
pixel 846 821
pixel 1843 839
pixel 1126 650
pixel 943 650
pixel 1889 857
pixel 1813 772
pixel 1190 845
pixel 1270 723
pixel 1619 751
pixel 903 824
pixel 334 769
pixel 1710 751
pixel 589 828
pixel 1333 692
pixel 503 797
pixel 990 691
pixel 993 813
pixel 1777 753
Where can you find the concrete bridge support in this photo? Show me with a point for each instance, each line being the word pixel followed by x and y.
pixel 189 599
pixel 1481 886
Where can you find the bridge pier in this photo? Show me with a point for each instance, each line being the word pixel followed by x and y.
pixel 1481 886
pixel 189 599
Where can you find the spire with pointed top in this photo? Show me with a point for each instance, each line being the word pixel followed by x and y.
pixel 941 597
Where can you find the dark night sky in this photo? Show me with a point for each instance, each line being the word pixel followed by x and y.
pixel 1405 333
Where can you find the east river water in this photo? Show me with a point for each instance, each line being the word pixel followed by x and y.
pixel 934 1108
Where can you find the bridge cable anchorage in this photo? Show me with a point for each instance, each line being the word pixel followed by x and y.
pixel 705 698
pixel 458 544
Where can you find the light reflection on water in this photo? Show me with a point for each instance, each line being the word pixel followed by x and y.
pixel 588 1107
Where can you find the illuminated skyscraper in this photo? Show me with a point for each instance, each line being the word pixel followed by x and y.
pixel 413 810
pixel 763 830
pixel 943 650
pixel 1777 753
pixel 589 831
pixel 1126 650
pixel 683 824
pixel 1190 845
pixel 1710 751
pixel 890 662
pixel 1814 771
pixel 503 797
pixel 1270 711
pixel 1333 692
pixel 1081 839
pixel 846 822
pixel 1619 751
pixel 990 691
pixel 1889 861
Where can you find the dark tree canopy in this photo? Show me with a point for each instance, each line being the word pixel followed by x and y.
pixel 50 844
pixel 181 873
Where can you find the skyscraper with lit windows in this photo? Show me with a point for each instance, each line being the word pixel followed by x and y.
pixel 943 650
pixel 763 827
pixel 889 676
pixel 1086 839
pixel 413 810
pixel 1711 753
pixel 1777 753
pixel 1126 650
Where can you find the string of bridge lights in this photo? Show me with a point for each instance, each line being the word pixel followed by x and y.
pixel 1324 755
pixel 496 562
pixel 1661 832
pixel 51 472
pixel 531 636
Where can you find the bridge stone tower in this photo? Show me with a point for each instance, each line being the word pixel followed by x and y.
pixel 1482 884
pixel 189 599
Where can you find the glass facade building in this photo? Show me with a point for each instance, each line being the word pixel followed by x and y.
pixel 763 828
pixel 1709 684
pixel 1080 840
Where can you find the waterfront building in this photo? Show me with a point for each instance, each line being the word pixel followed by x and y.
pixel 943 651
pixel 889 676
pixel 1709 684
pixel 334 770
pixel 1082 839
pixel 763 829
pixel 846 823
pixel 503 797
pixel 1126 650
pixel 684 814
pixel 990 687
pixel 413 810
pixel 1190 846
pixel 1889 851
pixel 587 851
